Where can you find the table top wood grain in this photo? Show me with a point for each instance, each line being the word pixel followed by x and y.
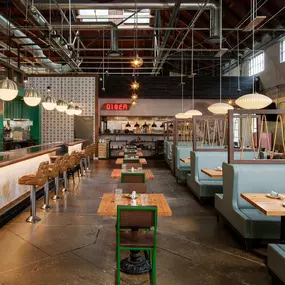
pixel 108 204
pixel 116 174
pixel 268 206
pixel 121 161
pixel 213 173
pixel 137 154
pixel 185 159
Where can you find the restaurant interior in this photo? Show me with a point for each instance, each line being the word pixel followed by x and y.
pixel 142 142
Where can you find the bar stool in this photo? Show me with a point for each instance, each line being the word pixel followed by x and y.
pixel 63 170
pixel 35 180
pixel 53 173
pixel 86 157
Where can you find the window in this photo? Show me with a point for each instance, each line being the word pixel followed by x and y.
pixel 282 51
pixel 236 129
pixel 256 64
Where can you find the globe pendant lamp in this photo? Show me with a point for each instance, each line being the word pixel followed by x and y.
pixel 253 101
pixel 220 108
pixel 134 96
pixel 134 102
pixel 70 109
pixel 32 97
pixel 61 106
pixel 135 85
pixel 49 103
pixel 77 111
pixel 192 112
pixel 8 90
pixel 137 62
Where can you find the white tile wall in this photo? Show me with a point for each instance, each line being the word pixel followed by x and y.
pixel 58 126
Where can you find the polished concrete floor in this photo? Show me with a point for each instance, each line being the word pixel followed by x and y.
pixel 72 245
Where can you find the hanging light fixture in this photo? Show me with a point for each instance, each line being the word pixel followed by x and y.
pixel 182 115
pixel 220 108
pixel 171 125
pixel 70 109
pixel 134 102
pixel 8 89
pixel 137 61
pixel 192 112
pixel 154 125
pixel 135 85
pixel 32 98
pixel 145 125
pixel 134 96
pixel 128 125
pixel 61 106
pixel 49 103
pixel 136 125
pixel 253 100
pixel 162 125
pixel 77 111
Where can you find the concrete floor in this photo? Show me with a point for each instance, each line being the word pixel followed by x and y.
pixel 72 245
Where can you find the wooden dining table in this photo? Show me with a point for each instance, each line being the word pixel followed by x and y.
pixel 185 160
pixel 116 174
pixel 135 154
pixel 121 161
pixel 213 173
pixel 269 207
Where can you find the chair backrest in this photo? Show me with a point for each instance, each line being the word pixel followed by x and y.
pixel 140 188
pixel 131 160
pixel 130 151
pixel 136 217
pixel 133 177
pixel 130 155
pixel 182 152
pixel 134 165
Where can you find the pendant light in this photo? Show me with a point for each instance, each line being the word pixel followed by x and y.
pixel 171 125
pixel 134 103
pixel 49 103
pixel 8 88
pixel 220 108
pixel 253 100
pixel 128 125
pixel 134 96
pixel 61 106
pixel 135 85
pixel 70 109
pixel 182 115
pixel 77 111
pixel 136 125
pixel 137 61
pixel 145 125
pixel 162 125
pixel 154 125
pixel 192 112
pixel 32 97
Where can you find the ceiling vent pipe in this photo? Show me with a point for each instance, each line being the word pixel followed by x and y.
pixel 212 6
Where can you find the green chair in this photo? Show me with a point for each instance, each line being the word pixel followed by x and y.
pixel 137 218
pixel 131 160
pixel 133 177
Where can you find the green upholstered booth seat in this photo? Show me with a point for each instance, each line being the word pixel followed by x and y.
pixel 131 160
pixel 133 177
pixel 182 169
pixel 276 260
pixel 248 178
pixel 130 151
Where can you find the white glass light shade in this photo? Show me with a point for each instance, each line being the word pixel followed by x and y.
pixel 8 90
pixel 181 116
pixel 77 111
pixel 253 101
pixel 32 98
pixel 49 103
pixel 193 112
pixel 220 108
pixel 70 110
pixel 61 106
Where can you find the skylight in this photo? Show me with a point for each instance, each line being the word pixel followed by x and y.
pixel 116 16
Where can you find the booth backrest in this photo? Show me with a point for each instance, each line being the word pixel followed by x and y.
pixel 182 152
pixel 249 178
pixel 169 150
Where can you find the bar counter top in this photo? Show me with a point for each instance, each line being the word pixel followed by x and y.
pixel 22 154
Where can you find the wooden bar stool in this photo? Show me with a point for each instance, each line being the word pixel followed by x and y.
pixel 35 180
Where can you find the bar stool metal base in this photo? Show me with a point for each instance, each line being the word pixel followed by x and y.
pixel 33 219
pixel 56 197
pixel 46 207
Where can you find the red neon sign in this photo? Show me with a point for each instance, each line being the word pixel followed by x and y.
pixel 116 106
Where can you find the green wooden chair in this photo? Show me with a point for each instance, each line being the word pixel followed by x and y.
pixel 137 218
pixel 133 177
pixel 131 160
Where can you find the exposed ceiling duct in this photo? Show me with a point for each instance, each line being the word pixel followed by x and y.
pixel 30 44
pixel 212 6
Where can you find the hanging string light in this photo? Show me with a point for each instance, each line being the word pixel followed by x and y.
pixel 192 112
pixel 220 108
pixel 135 85
pixel 253 100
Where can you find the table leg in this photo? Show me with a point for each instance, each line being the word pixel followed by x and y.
pixel 282 233
pixel 135 264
